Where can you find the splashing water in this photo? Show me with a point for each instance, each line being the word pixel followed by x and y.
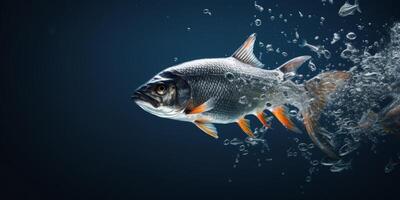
pixel 353 114
pixel 358 110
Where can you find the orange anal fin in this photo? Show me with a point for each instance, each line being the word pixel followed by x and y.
pixel 204 107
pixel 208 128
pixel 244 124
pixel 281 114
pixel 261 116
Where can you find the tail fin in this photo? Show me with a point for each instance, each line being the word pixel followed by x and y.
pixel 357 5
pixel 319 89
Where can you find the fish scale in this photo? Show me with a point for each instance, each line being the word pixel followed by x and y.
pixel 207 78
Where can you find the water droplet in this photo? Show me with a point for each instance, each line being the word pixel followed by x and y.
pixel 226 142
pixel 351 36
pixel 257 22
pixel 284 54
pixel 235 142
pixel 301 14
pixel 308 179
pixel 302 147
pixel 258 7
pixel 327 54
pixel 269 47
pixel 312 66
pixel 207 12
pixel 314 162
pixel 346 53
pixel 336 37
pixel 272 18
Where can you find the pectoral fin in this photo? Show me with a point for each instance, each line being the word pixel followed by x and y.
pixel 281 114
pixel 244 124
pixel 208 128
pixel 204 107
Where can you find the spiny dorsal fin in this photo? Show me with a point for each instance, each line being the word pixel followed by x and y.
pixel 245 52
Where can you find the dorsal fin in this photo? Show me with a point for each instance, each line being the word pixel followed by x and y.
pixel 293 64
pixel 245 52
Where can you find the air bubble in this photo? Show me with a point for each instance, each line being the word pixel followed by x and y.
pixel 257 22
pixel 351 36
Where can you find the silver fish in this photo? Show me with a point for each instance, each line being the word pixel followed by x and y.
pixel 225 90
pixel 348 9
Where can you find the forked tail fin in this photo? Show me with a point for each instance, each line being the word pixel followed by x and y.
pixel 319 89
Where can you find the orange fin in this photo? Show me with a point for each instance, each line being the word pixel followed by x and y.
pixel 244 124
pixel 280 113
pixel 204 107
pixel 261 116
pixel 208 128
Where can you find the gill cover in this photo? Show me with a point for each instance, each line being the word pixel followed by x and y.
pixel 182 92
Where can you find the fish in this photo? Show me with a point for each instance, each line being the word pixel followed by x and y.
pixel 318 49
pixel 225 90
pixel 348 9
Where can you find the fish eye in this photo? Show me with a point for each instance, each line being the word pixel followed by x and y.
pixel 161 89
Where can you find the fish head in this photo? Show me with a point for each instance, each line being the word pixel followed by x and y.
pixel 165 95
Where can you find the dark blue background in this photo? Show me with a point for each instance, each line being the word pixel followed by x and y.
pixel 69 130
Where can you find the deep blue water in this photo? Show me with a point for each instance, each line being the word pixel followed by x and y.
pixel 69 130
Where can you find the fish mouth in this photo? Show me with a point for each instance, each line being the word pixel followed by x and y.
pixel 139 96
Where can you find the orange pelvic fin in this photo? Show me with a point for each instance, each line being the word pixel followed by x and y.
pixel 280 113
pixel 244 124
pixel 261 116
pixel 208 128
pixel 204 107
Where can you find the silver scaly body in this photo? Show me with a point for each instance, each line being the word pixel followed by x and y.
pixel 237 88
